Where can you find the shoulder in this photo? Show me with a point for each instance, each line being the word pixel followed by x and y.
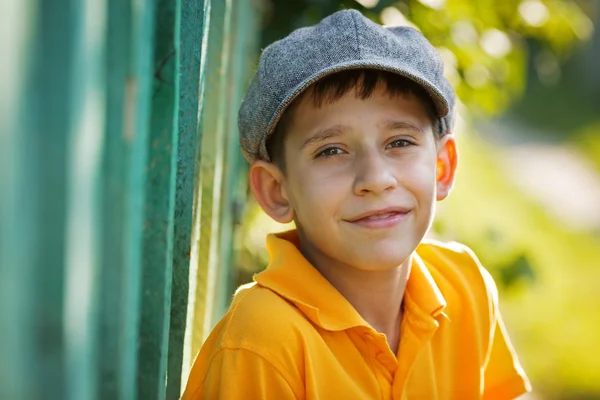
pixel 261 314
pixel 455 259
pixel 260 322
pixel 261 335
pixel 447 253
pixel 460 275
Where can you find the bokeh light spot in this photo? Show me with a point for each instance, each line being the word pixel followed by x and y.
pixel 391 16
pixel 477 76
pixel 496 43
pixel 450 63
pixel 464 33
pixel 435 4
pixel 534 12
pixel 368 3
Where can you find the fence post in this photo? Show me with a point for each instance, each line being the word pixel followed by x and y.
pixel 106 176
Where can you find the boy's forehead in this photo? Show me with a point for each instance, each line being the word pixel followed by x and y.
pixel 343 114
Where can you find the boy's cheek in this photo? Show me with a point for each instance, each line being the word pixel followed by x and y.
pixel 418 177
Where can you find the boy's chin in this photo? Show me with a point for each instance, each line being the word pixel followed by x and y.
pixel 382 261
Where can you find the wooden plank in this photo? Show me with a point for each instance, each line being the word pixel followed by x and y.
pixel 227 198
pixel 84 171
pixel 34 214
pixel 231 53
pixel 53 209
pixel 114 197
pixel 138 92
pixel 211 173
pixel 193 24
pixel 19 206
pixel 158 232
pixel 47 170
pixel 193 271
pixel 244 47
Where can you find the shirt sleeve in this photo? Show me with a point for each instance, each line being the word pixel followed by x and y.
pixel 504 378
pixel 240 374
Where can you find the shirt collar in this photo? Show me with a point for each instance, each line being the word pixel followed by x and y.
pixel 423 296
pixel 292 276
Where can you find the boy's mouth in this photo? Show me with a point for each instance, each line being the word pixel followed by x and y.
pixel 383 218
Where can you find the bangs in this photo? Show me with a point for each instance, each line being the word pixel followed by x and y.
pixel 363 82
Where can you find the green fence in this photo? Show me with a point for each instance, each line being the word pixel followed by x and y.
pixel 120 190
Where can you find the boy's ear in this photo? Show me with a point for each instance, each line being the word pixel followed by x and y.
pixel 266 183
pixel 447 160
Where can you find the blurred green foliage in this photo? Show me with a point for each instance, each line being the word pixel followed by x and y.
pixel 498 55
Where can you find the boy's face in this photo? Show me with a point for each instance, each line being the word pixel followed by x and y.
pixel 361 180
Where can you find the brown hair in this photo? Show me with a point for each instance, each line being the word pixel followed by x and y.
pixel 333 87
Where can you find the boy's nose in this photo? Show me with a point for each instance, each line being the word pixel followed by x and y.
pixel 373 175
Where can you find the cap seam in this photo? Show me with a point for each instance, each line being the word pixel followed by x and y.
pixel 356 35
pixel 263 140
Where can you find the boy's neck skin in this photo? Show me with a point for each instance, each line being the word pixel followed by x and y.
pixel 376 295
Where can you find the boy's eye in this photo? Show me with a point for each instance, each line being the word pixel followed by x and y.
pixel 331 151
pixel 399 143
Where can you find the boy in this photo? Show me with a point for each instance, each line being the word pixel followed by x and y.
pixel 347 126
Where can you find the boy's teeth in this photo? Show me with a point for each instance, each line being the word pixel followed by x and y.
pixel 380 216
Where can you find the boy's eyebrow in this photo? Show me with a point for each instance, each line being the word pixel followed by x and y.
pixel 325 134
pixel 397 125
pixel 339 129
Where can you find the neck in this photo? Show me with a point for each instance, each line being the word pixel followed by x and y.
pixel 376 295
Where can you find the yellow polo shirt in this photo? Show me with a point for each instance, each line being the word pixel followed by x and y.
pixel 292 335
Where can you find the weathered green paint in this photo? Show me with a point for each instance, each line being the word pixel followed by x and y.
pixel 114 197
pixel 46 195
pixel 230 170
pixel 102 163
pixel 243 47
pixel 211 169
pixel 136 131
pixel 170 193
pixel 84 212
pixel 15 357
pixel 231 51
pixel 158 232
pixel 33 201
pixel 193 22
pixel 34 214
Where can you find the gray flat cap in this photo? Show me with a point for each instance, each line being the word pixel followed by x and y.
pixel 344 40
